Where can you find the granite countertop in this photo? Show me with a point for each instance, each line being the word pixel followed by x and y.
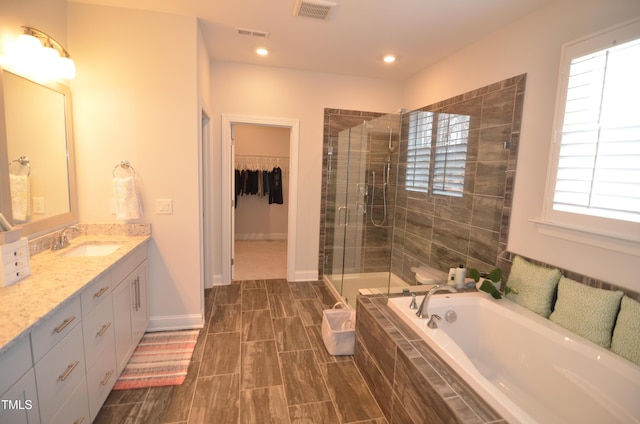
pixel 54 280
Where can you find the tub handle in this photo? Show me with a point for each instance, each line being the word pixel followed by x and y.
pixel 413 304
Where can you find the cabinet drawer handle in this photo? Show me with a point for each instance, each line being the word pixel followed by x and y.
pixel 18 263
pixel 106 378
pixel 64 325
pixel 79 420
pixel 68 371
pixel 103 329
pixel 17 253
pixel 101 291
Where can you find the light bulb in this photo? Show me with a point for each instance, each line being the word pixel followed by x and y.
pixel 28 44
pixel 66 68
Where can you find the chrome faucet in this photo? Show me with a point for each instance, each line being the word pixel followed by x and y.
pixel 422 310
pixel 62 241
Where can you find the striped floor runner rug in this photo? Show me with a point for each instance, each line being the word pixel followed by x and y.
pixel 160 359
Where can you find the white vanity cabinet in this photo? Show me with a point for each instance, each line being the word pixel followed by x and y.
pixel 99 341
pixel 18 392
pixel 62 368
pixel 130 304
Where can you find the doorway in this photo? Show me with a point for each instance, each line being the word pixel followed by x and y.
pixel 261 160
pixel 229 125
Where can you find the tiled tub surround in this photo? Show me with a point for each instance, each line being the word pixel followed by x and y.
pixel 527 367
pixel 55 278
pixel 410 382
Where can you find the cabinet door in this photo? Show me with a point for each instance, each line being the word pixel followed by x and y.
pixel 140 307
pixel 122 324
pixel 20 402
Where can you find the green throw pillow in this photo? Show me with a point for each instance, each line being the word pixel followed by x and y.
pixel 536 285
pixel 587 311
pixel 626 334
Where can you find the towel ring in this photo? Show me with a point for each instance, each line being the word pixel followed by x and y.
pixel 126 165
pixel 23 161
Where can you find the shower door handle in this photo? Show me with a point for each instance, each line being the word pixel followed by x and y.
pixel 346 216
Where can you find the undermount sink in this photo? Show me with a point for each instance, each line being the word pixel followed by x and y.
pixel 93 249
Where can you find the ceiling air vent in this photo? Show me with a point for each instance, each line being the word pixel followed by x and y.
pixel 252 32
pixel 314 9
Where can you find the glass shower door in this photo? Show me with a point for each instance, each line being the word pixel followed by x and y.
pixel 350 206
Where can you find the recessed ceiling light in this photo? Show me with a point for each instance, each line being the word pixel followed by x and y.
pixel 262 51
pixel 389 58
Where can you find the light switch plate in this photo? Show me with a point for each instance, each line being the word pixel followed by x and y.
pixel 164 206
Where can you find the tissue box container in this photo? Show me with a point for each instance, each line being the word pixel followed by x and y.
pixel 15 262
pixel 7 237
pixel 339 331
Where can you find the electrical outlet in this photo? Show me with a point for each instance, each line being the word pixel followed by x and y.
pixel 164 206
pixel 38 205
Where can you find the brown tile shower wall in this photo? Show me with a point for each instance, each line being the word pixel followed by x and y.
pixel 444 231
pixel 409 381
pixel 434 230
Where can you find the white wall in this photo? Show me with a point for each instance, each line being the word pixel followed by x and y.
pixel 283 93
pixel 136 98
pixel 532 45
pixel 49 16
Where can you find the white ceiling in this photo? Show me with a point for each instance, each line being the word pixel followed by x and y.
pixel 355 38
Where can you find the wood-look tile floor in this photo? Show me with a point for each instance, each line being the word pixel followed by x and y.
pixel 259 359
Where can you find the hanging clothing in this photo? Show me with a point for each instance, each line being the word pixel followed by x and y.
pixel 260 184
pixel 252 182
pixel 275 186
pixel 265 182
pixel 238 185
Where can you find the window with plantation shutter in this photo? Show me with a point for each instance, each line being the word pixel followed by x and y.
pixel 419 151
pixel 450 154
pixel 437 152
pixel 599 161
pixel 595 177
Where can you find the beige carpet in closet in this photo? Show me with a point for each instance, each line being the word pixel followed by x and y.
pixel 260 259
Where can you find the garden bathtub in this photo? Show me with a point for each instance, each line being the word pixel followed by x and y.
pixel 528 368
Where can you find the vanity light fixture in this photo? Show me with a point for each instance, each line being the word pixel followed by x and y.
pixel 37 50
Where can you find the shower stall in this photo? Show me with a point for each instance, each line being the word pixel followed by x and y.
pixel 362 169
pixel 429 188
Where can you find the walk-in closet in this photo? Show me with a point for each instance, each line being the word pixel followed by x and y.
pixel 261 183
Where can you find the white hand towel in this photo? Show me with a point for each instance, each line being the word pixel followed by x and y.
pixel 128 206
pixel 20 197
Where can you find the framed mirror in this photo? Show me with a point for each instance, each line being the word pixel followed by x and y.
pixel 37 175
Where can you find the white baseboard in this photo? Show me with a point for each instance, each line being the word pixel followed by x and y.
pixel 216 281
pixel 261 236
pixel 176 322
pixel 310 275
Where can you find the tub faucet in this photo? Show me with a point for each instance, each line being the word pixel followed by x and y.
pixel 433 321
pixel 62 240
pixel 422 310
